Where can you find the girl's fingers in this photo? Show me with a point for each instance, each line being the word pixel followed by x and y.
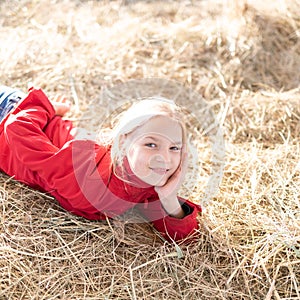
pixel 174 182
pixel 180 172
pixel 177 178
pixel 184 162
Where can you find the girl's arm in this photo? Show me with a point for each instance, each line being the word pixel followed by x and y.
pixel 170 227
pixel 173 216
pixel 168 193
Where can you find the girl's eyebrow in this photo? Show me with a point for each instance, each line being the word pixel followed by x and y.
pixel 157 140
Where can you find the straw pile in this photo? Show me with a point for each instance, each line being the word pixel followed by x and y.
pixel 243 57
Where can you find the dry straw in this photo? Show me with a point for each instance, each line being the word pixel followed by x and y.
pixel 241 56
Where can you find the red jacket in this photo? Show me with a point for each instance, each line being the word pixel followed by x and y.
pixel 37 148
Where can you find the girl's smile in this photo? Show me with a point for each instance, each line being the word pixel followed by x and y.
pixel 154 150
pixel 160 171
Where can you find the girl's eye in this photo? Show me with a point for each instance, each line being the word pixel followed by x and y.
pixel 175 148
pixel 151 145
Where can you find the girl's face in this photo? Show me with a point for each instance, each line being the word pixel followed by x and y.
pixel 154 150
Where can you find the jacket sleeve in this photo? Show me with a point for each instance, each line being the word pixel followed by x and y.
pixel 172 228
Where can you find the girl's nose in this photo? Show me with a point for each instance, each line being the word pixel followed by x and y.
pixel 163 156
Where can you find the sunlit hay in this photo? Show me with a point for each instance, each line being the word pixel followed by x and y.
pixel 242 57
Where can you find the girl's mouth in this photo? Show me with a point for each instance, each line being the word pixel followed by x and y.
pixel 160 171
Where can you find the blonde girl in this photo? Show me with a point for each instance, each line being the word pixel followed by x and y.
pixel 142 165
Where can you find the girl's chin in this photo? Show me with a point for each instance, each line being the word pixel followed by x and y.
pixel 154 179
pixel 155 182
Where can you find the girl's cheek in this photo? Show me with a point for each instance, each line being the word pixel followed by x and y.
pixel 129 152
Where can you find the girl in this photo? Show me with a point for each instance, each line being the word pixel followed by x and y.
pixel 142 165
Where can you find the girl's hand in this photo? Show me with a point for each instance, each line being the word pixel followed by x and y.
pixel 170 189
pixel 61 105
pixel 168 193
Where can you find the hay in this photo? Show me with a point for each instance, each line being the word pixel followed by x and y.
pixel 243 57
